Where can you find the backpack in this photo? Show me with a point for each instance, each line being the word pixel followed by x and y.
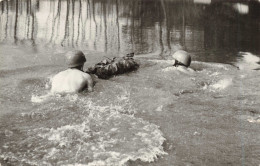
pixel 110 67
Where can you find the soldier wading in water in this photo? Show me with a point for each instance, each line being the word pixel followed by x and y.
pixel 182 61
pixel 73 79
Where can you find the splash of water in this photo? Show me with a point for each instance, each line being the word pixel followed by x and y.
pixel 222 84
pixel 93 135
pixel 248 61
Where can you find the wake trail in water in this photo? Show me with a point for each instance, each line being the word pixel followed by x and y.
pixel 72 130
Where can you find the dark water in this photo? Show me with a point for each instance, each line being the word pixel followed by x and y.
pixel 212 30
pixel 157 115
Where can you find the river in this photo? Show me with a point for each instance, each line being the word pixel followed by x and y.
pixel 154 116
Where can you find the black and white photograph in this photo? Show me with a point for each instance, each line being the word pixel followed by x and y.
pixel 129 82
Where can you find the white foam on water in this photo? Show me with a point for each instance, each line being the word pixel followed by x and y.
pixel 40 99
pixel 72 97
pixel 218 65
pixel 171 68
pixel 105 137
pixel 248 61
pixel 206 65
pixel 181 69
pixel 249 57
pixel 254 119
pixel 222 84
pixel 170 61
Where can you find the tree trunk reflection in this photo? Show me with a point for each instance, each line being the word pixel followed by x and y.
pixel 120 25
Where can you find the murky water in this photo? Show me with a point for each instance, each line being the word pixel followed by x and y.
pixel 157 115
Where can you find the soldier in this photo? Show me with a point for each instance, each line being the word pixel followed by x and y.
pixel 182 61
pixel 72 79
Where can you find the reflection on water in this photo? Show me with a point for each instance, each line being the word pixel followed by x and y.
pixel 153 26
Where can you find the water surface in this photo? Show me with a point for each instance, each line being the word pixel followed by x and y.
pixel 156 115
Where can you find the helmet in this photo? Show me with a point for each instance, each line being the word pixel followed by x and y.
pixel 75 58
pixel 183 57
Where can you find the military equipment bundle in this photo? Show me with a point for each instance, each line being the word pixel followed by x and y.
pixel 109 67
